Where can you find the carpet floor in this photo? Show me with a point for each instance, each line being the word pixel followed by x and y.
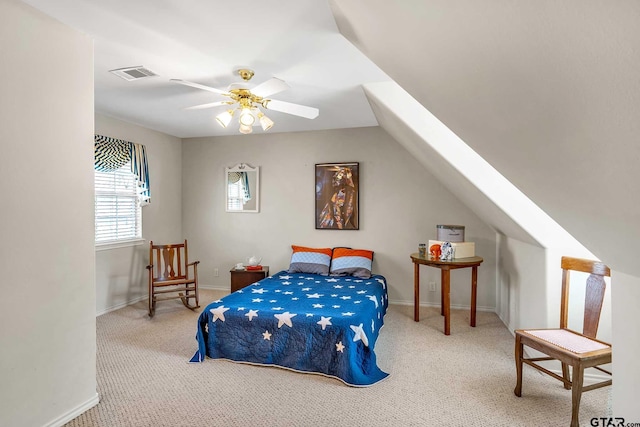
pixel 465 379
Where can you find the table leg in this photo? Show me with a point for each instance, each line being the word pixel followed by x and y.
pixel 474 294
pixel 416 292
pixel 446 300
pixel 441 292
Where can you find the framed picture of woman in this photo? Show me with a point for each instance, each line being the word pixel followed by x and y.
pixel 337 189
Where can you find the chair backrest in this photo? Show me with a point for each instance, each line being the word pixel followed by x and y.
pixel 169 261
pixel 594 292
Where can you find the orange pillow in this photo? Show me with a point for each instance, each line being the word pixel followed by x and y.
pixel 351 262
pixel 310 260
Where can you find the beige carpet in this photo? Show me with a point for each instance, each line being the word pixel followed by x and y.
pixel 465 379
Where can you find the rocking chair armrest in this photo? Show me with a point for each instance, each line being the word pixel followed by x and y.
pixel 194 263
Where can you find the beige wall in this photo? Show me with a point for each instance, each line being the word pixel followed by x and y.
pixel 400 206
pixel 121 277
pixel 47 309
pixel 547 92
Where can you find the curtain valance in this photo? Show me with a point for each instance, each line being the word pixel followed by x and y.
pixel 111 154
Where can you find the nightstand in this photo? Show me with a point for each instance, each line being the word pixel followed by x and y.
pixel 242 278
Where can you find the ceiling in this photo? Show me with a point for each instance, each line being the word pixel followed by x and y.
pixel 206 41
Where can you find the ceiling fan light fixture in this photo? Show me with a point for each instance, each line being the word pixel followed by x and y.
pixel 246 129
pixel 225 118
pixel 246 118
pixel 265 122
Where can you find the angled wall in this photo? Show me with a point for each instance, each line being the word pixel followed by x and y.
pixel 547 93
pixel 531 243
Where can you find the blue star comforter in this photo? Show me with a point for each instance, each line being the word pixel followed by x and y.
pixel 304 322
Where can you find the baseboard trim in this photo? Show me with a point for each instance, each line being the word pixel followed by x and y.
pixel 122 305
pixel 453 306
pixel 214 288
pixel 75 412
pixel 146 297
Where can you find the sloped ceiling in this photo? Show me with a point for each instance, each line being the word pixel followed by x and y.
pixel 547 92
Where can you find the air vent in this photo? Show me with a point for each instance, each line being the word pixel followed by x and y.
pixel 133 73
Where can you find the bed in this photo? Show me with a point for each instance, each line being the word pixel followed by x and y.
pixel 305 322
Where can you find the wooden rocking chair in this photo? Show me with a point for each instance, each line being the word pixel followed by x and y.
pixel 169 273
pixel 578 350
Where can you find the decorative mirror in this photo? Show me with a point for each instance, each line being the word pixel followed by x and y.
pixel 242 188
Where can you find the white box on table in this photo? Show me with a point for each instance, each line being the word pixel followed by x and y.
pixel 460 249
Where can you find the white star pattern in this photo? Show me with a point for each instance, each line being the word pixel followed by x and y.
pixel 218 313
pixel 301 297
pixel 374 299
pixel 324 322
pixel 360 335
pixel 217 301
pixel 285 319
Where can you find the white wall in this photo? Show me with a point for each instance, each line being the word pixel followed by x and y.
pixel 626 342
pixel 47 309
pixel 400 205
pixel 121 277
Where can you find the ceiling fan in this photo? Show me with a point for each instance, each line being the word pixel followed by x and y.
pixel 249 101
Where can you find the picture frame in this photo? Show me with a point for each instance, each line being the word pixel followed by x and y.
pixel 337 192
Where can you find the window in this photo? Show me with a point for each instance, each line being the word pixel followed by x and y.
pixel 235 196
pixel 118 216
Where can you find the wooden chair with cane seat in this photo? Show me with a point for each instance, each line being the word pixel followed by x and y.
pixel 169 274
pixel 578 350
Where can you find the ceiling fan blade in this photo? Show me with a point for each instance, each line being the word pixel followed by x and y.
pixel 199 86
pixel 270 87
pixel 209 105
pixel 290 108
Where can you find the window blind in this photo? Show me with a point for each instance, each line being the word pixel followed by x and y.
pixel 117 205
pixel 234 196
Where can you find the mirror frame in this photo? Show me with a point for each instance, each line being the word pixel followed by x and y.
pixel 242 167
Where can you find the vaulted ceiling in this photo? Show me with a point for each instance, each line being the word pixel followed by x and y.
pixel 547 92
